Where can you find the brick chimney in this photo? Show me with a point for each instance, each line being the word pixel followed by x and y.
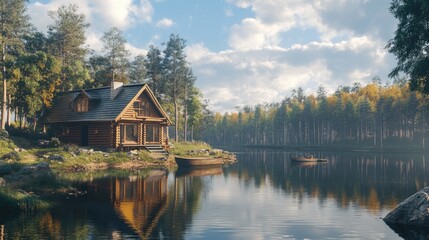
pixel 115 88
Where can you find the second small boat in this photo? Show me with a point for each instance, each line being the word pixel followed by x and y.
pixel 307 158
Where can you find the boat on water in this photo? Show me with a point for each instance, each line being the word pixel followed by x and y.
pixel 200 161
pixel 307 158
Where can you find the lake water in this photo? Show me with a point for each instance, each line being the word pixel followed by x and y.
pixel 263 196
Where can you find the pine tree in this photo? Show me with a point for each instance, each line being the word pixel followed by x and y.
pixel 154 68
pixel 14 25
pixel 175 70
pixel 116 53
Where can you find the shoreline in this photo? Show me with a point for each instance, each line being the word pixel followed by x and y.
pixel 33 179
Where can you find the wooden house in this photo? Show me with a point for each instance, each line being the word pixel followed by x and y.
pixel 119 116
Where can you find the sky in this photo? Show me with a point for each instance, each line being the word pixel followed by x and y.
pixel 248 52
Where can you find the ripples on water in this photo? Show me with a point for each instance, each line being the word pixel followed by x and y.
pixel 263 196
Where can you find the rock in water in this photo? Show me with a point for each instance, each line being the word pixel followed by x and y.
pixel 414 211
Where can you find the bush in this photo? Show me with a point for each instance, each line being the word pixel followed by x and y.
pixel 6 169
pixel 70 148
pixel 4 135
pixel 54 142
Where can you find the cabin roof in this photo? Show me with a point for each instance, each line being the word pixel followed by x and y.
pixel 101 106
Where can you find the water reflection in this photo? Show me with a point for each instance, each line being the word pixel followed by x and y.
pixel 264 187
pixel 140 202
pixel 198 171
pixel 374 182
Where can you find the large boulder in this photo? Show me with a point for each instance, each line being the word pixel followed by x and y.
pixel 414 211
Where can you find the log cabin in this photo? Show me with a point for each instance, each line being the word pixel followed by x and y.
pixel 119 116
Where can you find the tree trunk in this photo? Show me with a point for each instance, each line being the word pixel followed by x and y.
pixel 192 133
pixel 34 124
pixel 176 120
pixel 3 111
pixel 185 124
pixel 8 110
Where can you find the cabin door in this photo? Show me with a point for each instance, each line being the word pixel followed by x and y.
pixel 84 135
pixel 152 133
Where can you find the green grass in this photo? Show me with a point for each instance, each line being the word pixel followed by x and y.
pixel 6 146
pixel 183 148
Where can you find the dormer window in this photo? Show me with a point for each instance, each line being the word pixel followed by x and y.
pixel 82 104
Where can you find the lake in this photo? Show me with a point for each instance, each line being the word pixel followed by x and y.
pixel 263 196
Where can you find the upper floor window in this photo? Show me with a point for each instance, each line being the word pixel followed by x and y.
pixel 82 104
pixel 141 108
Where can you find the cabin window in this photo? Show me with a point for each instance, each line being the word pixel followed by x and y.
pixel 142 108
pixel 66 131
pixel 129 133
pixel 82 105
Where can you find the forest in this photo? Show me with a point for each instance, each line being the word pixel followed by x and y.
pixel 36 67
pixel 374 115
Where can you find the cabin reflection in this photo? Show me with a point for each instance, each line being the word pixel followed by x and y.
pixel 140 202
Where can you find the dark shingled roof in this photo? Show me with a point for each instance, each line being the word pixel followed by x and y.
pixel 101 107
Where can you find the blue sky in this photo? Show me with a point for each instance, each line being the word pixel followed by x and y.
pixel 246 52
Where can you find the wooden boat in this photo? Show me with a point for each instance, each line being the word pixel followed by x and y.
pixel 309 158
pixel 199 161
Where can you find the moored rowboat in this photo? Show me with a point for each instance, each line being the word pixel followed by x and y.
pixel 199 161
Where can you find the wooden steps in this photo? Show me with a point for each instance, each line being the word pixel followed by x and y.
pixel 156 149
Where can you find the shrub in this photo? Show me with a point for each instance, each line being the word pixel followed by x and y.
pixel 4 135
pixel 70 148
pixel 54 142
pixel 6 169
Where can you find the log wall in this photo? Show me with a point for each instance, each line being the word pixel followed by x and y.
pixel 99 134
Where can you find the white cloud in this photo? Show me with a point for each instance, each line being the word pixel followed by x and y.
pixel 165 23
pixel 123 13
pixel 94 41
pixel 39 11
pixel 134 51
pixel 252 34
pixel 348 46
pixel 101 14
pixel 252 76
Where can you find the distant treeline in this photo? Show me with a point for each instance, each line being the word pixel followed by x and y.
pixel 374 115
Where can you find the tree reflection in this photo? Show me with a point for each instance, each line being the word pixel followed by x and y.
pixel 373 182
